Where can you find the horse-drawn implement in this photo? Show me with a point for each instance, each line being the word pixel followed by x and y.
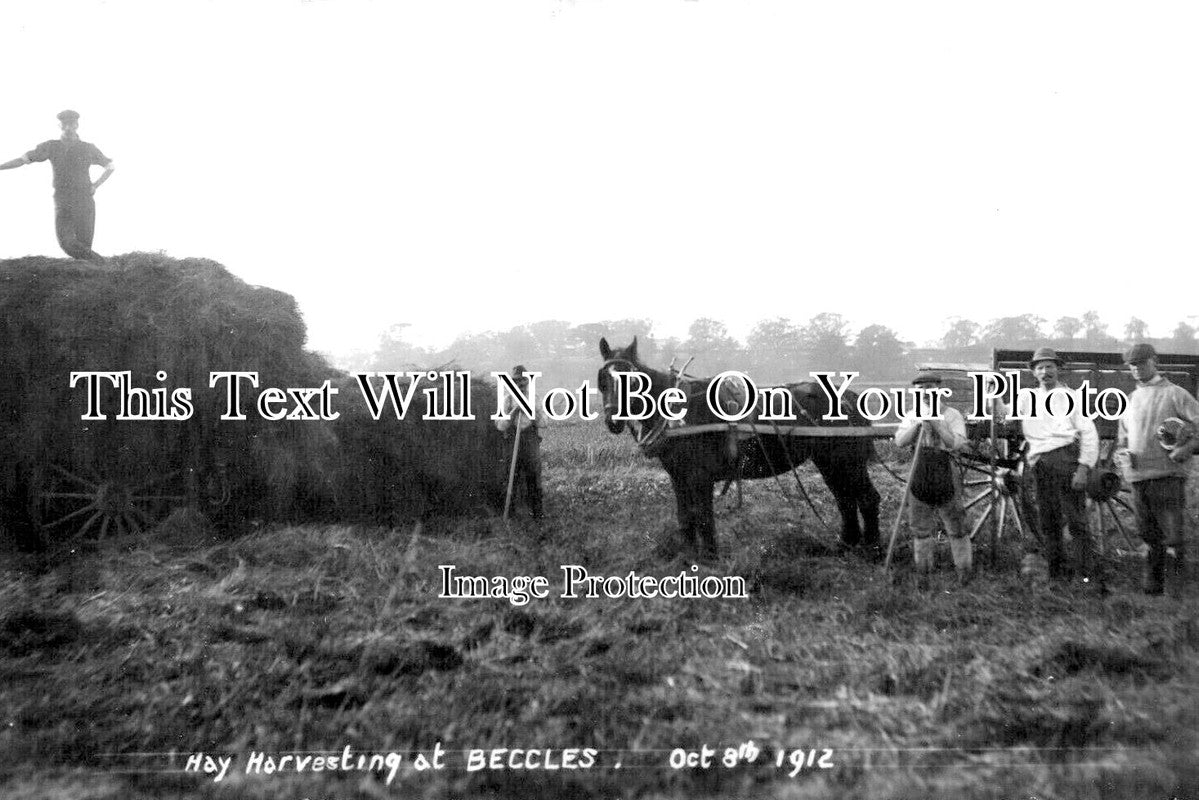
pixel 994 469
pixel 702 450
pixel 153 326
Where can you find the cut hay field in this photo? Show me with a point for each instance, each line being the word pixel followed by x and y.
pixel 303 641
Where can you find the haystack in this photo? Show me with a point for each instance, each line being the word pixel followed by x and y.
pixel 148 313
pixel 390 470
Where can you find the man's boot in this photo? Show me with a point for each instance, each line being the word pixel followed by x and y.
pixel 1155 569
pixel 1085 564
pixel 963 557
pixel 922 558
pixel 1054 557
pixel 1178 571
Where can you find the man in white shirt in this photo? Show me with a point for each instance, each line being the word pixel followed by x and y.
pixel 1158 470
pixel 935 491
pixel 1063 447
pixel 528 455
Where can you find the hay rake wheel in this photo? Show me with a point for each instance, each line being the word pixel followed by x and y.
pixel 73 506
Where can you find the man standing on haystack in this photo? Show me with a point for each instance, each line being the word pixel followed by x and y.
pixel 934 490
pixel 526 451
pixel 1158 433
pixel 74 206
pixel 1063 448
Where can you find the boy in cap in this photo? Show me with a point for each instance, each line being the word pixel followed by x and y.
pixel 528 455
pixel 1063 447
pixel 74 207
pixel 935 492
pixel 1157 469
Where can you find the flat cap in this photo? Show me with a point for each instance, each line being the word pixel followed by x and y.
pixel 68 115
pixel 1045 354
pixel 1139 352
pixel 927 377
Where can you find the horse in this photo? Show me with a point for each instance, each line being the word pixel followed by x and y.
pixel 695 462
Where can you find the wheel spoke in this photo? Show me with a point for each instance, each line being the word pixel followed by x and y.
pixel 1002 519
pixel 977 500
pixel 79 533
pixel 978 525
pixel 68 495
pixel 72 476
pixel 73 514
pixel 1016 517
pixel 1120 525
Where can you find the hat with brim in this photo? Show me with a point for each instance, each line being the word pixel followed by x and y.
pixel 68 115
pixel 927 378
pixel 1045 354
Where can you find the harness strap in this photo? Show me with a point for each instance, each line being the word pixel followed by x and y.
pixel 884 431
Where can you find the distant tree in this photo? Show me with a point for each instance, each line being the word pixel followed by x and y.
pixel 1094 333
pixel 709 342
pixel 481 352
pixel 585 338
pixel 643 329
pixel 775 339
pixel 553 338
pixel 1183 339
pixel 1024 330
pixel 671 348
pixel 1067 327
pixel 878 353
pixel 1135 330
pixel 395 352
pixel 773 348
pixel 1092 326
pixel 519 345
pixel 962 333
pixel 825 343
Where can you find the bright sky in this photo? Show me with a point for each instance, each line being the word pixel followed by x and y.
pixel 464 166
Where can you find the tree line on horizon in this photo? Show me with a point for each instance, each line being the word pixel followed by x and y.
pixel 775 350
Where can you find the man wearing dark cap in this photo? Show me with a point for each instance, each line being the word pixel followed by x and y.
pixel 528 449
pixel 1156 464
pixel 934 491
pixel 1063 448
pixel 74 207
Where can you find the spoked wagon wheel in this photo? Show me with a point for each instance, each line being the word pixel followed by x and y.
pixel 1109 493
pixel 994 496
pixel 74 506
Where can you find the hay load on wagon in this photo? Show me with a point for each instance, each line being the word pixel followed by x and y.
pixel 390 470
pixel 169 323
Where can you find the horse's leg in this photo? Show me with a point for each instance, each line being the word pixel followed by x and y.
pixel 868 503
pixel 705 518
pixel 835 477
pixel 684 509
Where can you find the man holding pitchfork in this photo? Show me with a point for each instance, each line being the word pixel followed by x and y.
pixel 526 446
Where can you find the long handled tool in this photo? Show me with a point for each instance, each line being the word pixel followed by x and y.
pixel 512 466
pixel 903 500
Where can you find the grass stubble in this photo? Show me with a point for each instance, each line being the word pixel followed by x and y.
pixel 311 638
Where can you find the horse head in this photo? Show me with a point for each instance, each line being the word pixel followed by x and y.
pixel 624 359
